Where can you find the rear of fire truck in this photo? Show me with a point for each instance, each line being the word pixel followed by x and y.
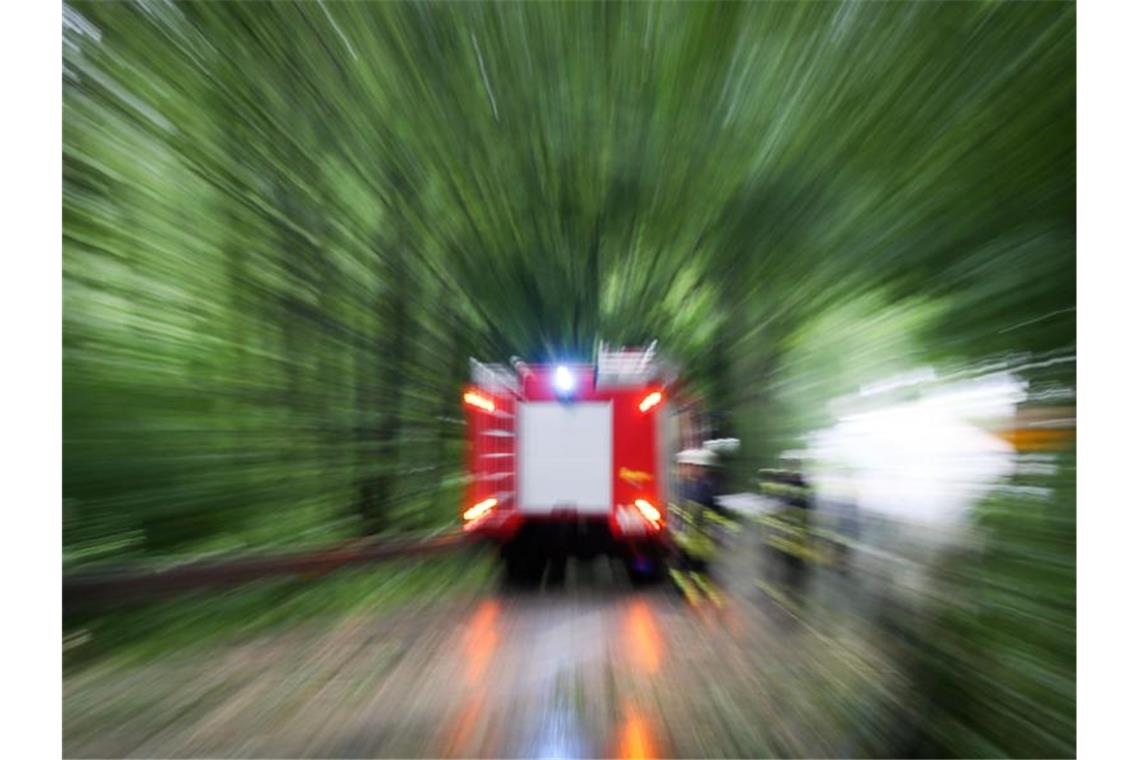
pixel 570 460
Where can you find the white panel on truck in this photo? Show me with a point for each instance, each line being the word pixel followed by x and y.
pixel 566 457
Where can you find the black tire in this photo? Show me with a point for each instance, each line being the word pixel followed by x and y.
pixel 556 575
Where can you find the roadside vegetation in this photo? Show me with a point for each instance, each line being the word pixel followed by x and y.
pixel 287 226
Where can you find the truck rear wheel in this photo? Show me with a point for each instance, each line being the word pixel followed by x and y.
pixel 645 570
pixel 524 568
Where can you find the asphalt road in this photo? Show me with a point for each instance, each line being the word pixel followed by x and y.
pixel 592 668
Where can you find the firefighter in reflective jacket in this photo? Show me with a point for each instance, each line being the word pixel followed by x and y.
pixel 695 517
pixel 788 528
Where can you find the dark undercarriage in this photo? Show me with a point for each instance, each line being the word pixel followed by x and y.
pixel 543 548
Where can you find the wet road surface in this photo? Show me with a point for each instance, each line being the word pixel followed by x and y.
pixel 593 668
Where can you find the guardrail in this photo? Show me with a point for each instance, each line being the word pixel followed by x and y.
pixel 114 586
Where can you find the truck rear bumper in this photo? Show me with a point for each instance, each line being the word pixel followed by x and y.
pixel 572 536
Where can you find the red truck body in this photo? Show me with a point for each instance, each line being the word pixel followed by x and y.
pixel 570 459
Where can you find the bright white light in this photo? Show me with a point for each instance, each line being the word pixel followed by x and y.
pixel 926 461
pixel 563 380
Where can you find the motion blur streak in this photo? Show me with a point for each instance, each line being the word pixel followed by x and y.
pixel 846 229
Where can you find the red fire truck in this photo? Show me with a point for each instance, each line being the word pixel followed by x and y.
pixel 571 460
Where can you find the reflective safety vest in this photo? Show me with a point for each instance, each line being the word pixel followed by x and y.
pixel 782 485
pixel 690 523
pixel 694 527
pixel 788 529
pixel 789 532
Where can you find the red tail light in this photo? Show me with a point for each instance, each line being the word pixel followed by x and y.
pixel 648 511
pixel 480 509
pixel 650 401
pixel 478 401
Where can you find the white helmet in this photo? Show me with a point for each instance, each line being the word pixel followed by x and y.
pixel 722 445
pixel 699 457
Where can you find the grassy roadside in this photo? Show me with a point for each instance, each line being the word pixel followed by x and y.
pixel 200 620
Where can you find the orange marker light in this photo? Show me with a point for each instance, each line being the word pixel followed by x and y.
pixel 480 402
pixel 650 401
pixel 647 510
pixel 480 509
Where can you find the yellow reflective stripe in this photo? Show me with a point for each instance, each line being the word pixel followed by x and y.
pixel 696 545
pixel 687 518
pixel 784 489
pixel 722 520
pixel 687 589
pixel 709 589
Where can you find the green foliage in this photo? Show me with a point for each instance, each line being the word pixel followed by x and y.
pixel 995 654
pixel 855 343
pixel 286 226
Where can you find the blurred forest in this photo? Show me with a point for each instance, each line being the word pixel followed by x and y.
pixel 287 226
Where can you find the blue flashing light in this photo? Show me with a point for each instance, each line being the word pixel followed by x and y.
pixel 563 380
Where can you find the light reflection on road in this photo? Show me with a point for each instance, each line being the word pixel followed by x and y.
pixel 642 636
pixel 480 639
pixel 505 661
pixel 635 742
